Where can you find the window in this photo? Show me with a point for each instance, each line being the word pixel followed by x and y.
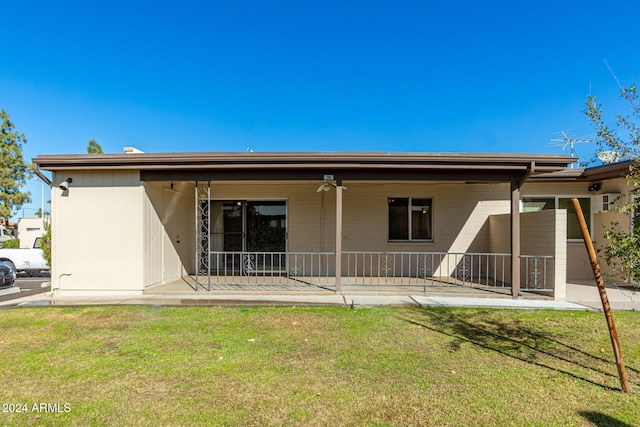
pixel 410 219
pixel 534 204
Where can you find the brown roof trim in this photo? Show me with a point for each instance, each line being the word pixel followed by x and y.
pixel 286 160
pixel 568 174
pixel 592 174
pixel 615 170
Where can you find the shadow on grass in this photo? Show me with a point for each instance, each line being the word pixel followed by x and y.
pixel 601 420
pixel 518 340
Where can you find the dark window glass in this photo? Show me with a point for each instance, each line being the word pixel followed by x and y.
pixel 421 219
pixel 535 204
pixel 399 219
pixel 573 228
pixel 410 219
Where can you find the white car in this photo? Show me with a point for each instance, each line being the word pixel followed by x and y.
pixel 25 260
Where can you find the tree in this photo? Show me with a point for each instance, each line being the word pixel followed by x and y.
pixel 94 147
pixel 14 171
pixel 39 213
pixel 622 250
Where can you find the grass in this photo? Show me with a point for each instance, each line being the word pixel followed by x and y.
pixel 315 366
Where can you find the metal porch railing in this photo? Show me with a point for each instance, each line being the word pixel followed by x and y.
pixel 433 269
pixel 375 269
pixel 270 268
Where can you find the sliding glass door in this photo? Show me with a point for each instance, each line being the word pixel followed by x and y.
pixel 257 228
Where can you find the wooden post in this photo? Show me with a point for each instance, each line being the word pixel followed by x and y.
pixel 515 240
pixel 613 333
pixel 339 236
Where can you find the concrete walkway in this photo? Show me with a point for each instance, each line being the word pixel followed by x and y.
pixel 580 296
pixel 621 297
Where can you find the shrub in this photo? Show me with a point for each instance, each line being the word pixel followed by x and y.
pixel 45 244
pixel 11 244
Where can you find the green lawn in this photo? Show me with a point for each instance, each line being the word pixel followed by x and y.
pixel 110 366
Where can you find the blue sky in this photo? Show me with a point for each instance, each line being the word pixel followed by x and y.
pixel 162 76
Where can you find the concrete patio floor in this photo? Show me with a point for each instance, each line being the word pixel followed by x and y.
pixel 580 296
pixel 187 286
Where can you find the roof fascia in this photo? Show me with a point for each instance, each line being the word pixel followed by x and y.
pixel 186 161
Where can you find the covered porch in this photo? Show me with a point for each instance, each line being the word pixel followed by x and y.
pixel 277 225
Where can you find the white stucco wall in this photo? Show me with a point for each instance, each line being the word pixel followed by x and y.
pixel 97 234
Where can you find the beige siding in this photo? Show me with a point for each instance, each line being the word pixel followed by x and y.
pixel 460 213
pixel 97 234
pixel 606 221
pixel 168 231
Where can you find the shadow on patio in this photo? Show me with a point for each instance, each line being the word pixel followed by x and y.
pixel 187 286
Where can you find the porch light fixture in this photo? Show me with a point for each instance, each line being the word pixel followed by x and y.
pixel 64 185
pixel 326 186
pixel 323 187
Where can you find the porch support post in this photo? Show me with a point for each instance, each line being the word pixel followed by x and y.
pixel 515 230
pixel 515 240
pixel 339 236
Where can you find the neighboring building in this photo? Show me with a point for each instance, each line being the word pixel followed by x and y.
pixel 123 224
pixel 29 229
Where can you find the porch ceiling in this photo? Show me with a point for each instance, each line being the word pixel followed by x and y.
pixel 475 167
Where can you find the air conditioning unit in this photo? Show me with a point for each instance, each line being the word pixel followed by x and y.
pixel 606 202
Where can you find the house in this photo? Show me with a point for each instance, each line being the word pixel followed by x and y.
pixel 124 224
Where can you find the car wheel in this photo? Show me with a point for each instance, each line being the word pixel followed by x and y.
pixel 11 265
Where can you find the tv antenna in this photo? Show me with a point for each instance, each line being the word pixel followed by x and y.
pixel 567 142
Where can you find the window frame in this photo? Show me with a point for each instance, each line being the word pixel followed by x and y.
pixel 410 238
pixel 556 206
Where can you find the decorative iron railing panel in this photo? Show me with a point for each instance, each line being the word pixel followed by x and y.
pixel 537 272
pixel 203 241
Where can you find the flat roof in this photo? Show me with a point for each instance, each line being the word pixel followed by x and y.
pixel 543 162
pixel 483 167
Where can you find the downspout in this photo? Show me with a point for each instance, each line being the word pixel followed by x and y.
pixel 530 171
pixel 339 189
pixel 55 289
pixel 36 169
